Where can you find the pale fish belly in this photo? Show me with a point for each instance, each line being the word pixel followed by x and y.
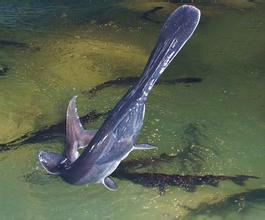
pixel 112 166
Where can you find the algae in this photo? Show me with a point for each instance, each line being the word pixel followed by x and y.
pixel 43 83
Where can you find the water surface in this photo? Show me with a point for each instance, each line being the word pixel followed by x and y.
pixel 215 127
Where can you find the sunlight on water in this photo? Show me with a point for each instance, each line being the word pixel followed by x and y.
pixel 50 52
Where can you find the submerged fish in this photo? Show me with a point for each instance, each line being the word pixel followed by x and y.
pixel 129 80
pixel 17 45
pixel 188 182
pixel 117 136
pixel 146 14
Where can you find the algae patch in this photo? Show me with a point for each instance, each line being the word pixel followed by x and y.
pixel 42 83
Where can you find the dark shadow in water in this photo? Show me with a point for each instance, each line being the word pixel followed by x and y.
pixel 194 151
pixel 155 180
pixel 3 69
pixel 146 15
pixel 130 80
pixel 54 131
pixel 240 203
pixel 148 162
pixel 37 178
pixel 58 130
pixel 187 182
pixel 18 45
pixel 192 157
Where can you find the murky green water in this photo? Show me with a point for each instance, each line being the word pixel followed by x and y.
pixel 214 127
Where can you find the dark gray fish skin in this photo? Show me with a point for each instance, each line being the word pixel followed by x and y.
pixel 117 136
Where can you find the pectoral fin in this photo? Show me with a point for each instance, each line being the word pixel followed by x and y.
pixel 51 161
pixel 110 184
pixel 143 147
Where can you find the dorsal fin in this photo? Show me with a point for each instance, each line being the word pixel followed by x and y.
pixel 76 136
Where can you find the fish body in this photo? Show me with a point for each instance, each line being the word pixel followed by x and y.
pixel 117 136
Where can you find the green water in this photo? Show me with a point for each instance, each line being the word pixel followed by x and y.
pixel 74 46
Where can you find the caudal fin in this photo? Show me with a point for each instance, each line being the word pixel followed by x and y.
pixel 51 162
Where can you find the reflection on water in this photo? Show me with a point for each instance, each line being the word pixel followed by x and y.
pixel 205 115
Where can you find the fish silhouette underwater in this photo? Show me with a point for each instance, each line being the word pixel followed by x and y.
pixel 116 138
